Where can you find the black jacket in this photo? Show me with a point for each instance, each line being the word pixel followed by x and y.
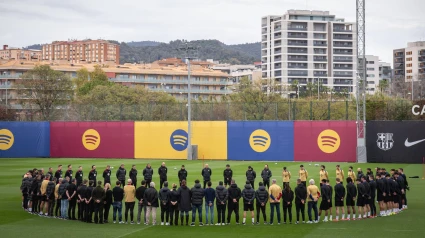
pixel 380 186
pixel 93 176
pixel 62 189
pixel 140 193
pixel 185 195
pixel 133 176
pixel 69 173
pixel 108 197
pixel 266 174
pixel 300 193
pixel 360 175
pixel 51 175
pixel 58 175
pixel 50 190
pixel 164 195
pixel 107 176
pixel 248 194
pixel 81 191
pixel 221 194
pixel 250 175
pixel 147 173
pixel 262 195
pixel 234 193
pixel 121 172
pixel 206 174
pixel 162 172
pixel 367 189
pixel 339 192
pixel 151 196
pixel 351 191
pixel 372 185
pixel 79 176
pixel 287 197
pixel 368 174
pixel 89 192
pixel 98 194
pixel 182 174
pixel 361 191
pixel 118 194
pixel 197 194
pixel 174 196
pixel 228 174
pixel 325 192
pixel 401 183
pixel 26 186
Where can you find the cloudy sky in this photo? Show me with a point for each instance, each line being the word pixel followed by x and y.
pixel 390 23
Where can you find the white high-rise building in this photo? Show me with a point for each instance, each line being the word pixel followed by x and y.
pixel 309 46
pixel 376 71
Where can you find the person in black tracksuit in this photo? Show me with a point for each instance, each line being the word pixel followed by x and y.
pixel 93 175
pixel 147 174
pixel 288 197
pixel 325 193
pixel 233 201
pixel 221 196
pixel 372 185
pixel 361 197
pixel 108 203
pixel 402 186
pixel 174 206
pixel 339 198
pixel 71 191
pixel 58 173
pixel 121 172
pixel 133 175
pixel 79 176
pixel 88 213
pixel 262 197
pixel 141 206
pixel 81 194
pixel 50 172
pixel 300 199
pixel 350 198
pixel 367 195
pixel 162 172
pixel 182 174
pixel 185 202
pixel 227 174
pixel 50 196
pixel 98 197
pixel 250 176
pixel 69 172
pixel 164 196
pixel 107 175
pixel 266 174
pixel 206 174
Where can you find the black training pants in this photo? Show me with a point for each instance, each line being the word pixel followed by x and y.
pixel 58 208
pixel 165 210
pixel 98 212
pixel 129 206
pixel 71 209
pixel 299 207
pixel 372 207
pixel 263 210
pixel 174 214
pixel 106 208
pixel 221 210
pixel 287 210
pixel 266 183
pixel 233 207
pixel 81 209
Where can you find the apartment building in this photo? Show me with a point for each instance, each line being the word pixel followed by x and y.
pixel 409 62
pixel 96 51
pixel 376 71
pixel 14 53
pixel 170 79
pixel 309 46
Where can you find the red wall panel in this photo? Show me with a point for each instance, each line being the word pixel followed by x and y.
pixel 92 139
pixel 325 141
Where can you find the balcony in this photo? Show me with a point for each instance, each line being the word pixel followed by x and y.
pixel 176 90
pixel 277 52
pixel 297 58
pixel 342 52
pixel 320 44
pixel 171 82
pixel 343 68
pixel 343 45
pixel 398 55
pixel 421 59
pixel 297 51
pixel 320 74
pixel 8 76
pixel 422 52
pixel 320 52
pixel 339 75
pixel 277 28
pixel 338 37
pixel 5 86
pixel 319 29
pixel 344 82
pixel 342 30
pixel 320 59
pixel 297 66
pixel 297 43
pixel 297 35
pixel 291 28
pixel 298 73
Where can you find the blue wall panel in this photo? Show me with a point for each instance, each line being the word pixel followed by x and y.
pixel 260 140
pixel 24 139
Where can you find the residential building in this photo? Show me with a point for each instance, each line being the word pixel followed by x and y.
pixel 237 72
pixel 95 51
pixel 171 79
pixel 375 72
pixel 409 62
pixel 14 53
pixel 309 46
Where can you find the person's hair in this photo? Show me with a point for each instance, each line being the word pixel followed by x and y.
pixel 209 183
pixel 143 182
pixel 197 181
pixel 287 187
pixel 129 181
pixel 117 183
pixel 152 184
pixel 220 183
pixel 107 186
pixel 182 166
pixel 85 181
pixel 387 175
pixel 284 168
pixel 55 179
pixel 301 166
pixel 233 181
pixel 80 166
pixel 337 165
pixel 247 182
pixel 174 186
pixel 122 165
pixel 183 182
pixel 401 169
pixel 349 180
pixel 227 165
pixel 323 180
pixel 338 180
pixel 165 184
pixel 369 169
pixel 60 180
pixel 359 180
pixel 99 183
pixel 108 166
pixel 133 165
pixel 47 175
pixel 273 181
pixel 298 180
pixel 58 166
pixel 351 167
pixel 73 180
pixel 92 166
pixel 327 181
pixel 51 167
pixel 392 169
pixel 69 165
pixel 260 184
pixel 311 182
pixel 67 178
pixel 323 166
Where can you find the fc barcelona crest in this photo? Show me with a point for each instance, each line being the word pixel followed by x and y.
pixel 385 141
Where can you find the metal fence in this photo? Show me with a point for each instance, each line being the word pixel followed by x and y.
pixel 223 111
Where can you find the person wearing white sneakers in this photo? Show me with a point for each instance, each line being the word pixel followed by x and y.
pixel 164 198
pixel 326 198
pixel 221 197
pixel 248 195
pixel 361 197
pixel 151 199
pixel 351 198
pixel 312 196
pixel 339 199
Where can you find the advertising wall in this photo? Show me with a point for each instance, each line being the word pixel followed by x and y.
pixel 92 139
pixel 260 140
pixel 168 140
pixel 24 139
pixel 325 141
pixel 395 141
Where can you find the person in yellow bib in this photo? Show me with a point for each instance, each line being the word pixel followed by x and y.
pixel 303 175
pixel 286 176
pixel 351 173
pixel 323 174
pixel 339 173
pixel 312 197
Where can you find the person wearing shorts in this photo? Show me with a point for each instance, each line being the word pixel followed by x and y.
pixel 350 198
pixel 361 197
pixel 248 195
pixel 339 198
pixel 326 197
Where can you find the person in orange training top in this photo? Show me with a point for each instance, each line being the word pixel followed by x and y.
pixel 275 194
pixel 339 173
pixel 130 195
pixel 313 197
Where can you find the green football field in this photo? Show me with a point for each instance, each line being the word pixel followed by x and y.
pixel 14 222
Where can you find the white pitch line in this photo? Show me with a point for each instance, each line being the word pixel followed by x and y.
pixel 400 230
pixel 332 228
pixel 129 233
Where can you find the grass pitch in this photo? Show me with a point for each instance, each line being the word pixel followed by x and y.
pixel 14 222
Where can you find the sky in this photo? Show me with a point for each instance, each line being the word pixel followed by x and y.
pixel 390 24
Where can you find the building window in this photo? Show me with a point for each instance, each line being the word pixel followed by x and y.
pixel 409 59
pixel 408 65
pixel 409 71
pixel 409 77
pixel 370 69
pixel 370 62
pixel 409 53
pixel 370 75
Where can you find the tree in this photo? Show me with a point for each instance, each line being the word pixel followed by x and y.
pixel 45 89
pixel 383 85
pixel 87 81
